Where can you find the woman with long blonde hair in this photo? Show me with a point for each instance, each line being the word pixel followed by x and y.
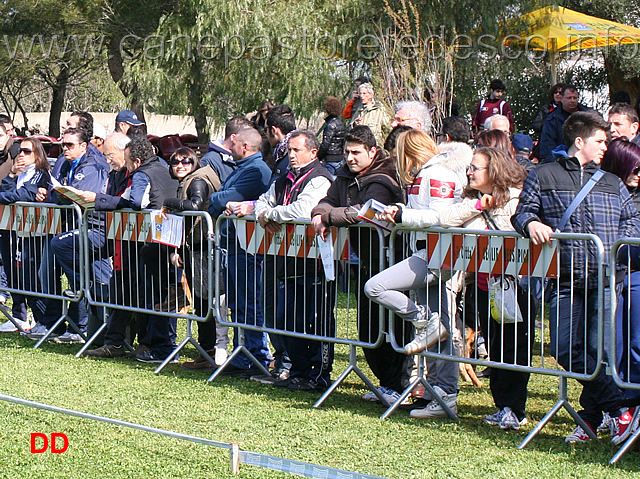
pixel 435 181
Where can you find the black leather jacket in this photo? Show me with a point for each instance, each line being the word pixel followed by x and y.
pixel 332 146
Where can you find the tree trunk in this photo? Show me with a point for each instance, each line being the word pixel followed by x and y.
pixel 116 68
pixel 59 91
pixel 197 103
pixel 617 81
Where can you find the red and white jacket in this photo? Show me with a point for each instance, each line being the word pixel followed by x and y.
pixel 437 186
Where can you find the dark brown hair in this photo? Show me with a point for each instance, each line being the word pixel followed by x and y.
pixel 504 173
pixel 182 153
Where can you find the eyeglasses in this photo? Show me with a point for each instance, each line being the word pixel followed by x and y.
pixel 401 119
pixel 26 151
pixel 184 161
pixel 474 168
pixel 69 145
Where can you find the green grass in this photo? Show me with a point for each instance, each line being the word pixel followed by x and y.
pixel 345 433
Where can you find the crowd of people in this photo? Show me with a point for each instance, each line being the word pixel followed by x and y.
pixel 582 177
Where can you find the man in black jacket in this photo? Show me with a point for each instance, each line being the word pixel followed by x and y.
pixel 367 174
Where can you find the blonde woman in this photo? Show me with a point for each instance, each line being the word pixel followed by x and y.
pixel 435 180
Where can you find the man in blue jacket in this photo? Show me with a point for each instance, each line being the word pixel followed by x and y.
pixel 551 135
pixel 83 168
pixel 243 272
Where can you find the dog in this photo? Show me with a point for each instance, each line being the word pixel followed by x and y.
pixel 468 371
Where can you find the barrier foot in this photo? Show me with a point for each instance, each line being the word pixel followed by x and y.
pixel 90 341
pixel 405 394
pixel 55 325
pixel 625 447
pixel 7 312
pixel 188 339
pixel 236 352
pixel 561 403
pixel 173 354
pixel 351 368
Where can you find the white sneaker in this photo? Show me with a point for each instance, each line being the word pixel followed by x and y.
pixel 388 394
pixel 431 333
pixel 220 356
pixel 434 409
pixel 9 327
pixel 69 338
pixel 38 331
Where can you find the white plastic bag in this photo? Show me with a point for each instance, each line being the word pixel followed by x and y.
pixel 503 297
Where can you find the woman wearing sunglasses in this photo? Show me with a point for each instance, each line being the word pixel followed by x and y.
pixel 29 171
pixel 197 183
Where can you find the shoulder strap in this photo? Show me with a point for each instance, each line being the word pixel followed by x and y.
pixel 501 105
pixel 481 104
pixel 584 191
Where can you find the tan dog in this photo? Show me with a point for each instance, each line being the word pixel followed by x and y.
pixel 467 371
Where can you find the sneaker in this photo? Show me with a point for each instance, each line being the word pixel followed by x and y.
pixel 142 348
pixel 419 403
pixel 68 338
pixel 271 378
pixel 10 327
pixel 388 394
pixel 510 420
pixel 578 435
pixel 431 333
pixel 495 419
pixel 235 371
pixel 149 357
pixel 605 426
pixel 107 351
pixel 302 384
pixel 220 356
pixel 38 331
pixel 434 409
pixel 623 426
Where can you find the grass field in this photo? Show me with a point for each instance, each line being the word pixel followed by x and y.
pixel 346 433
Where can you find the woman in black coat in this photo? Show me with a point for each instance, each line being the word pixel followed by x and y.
pixel 331 151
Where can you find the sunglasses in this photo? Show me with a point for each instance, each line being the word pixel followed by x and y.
pixel 636 171
pixel 184 161
pixel 26 151
pixel 69 145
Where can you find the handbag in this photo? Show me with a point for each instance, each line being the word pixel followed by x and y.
pixel 503 300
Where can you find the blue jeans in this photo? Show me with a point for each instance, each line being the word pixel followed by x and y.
pixel 242 283
pixel 573 329
pixel 628 337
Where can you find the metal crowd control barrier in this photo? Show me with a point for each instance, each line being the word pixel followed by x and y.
pixel 146 278
pixel 276 284
pixel 32 269
pixel 624 332
pixel 464 262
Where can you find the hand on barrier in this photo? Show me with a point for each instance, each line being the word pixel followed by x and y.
pixel 176 260
pixel 539 232
pixel 239 208
pixel 319 227
pixel 270 226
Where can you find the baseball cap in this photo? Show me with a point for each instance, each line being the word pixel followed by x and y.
pixel 99 131
pixel 522 142
pixel 127 116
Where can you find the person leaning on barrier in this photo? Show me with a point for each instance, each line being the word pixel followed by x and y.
pixel 367 174
pixel 84 168
pixel 495 182
pixel 151 184
pixel 304 300
pixel 29 172
pixel 243 271
pixel 435 181
pixel 623 160
pixel 608 212
pixel 124 254
pixel 197 183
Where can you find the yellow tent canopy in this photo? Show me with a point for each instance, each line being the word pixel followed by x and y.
pixel 558 29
